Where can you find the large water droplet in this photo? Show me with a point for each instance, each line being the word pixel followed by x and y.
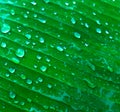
pixel 5 28
pixel 20 52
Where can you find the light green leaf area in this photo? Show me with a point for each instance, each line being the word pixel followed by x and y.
pixel 59 56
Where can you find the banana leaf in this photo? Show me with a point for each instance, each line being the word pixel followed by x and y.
pixel 59 56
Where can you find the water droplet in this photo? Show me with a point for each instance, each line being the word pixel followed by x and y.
pixel 46 1
pixel 77 35
pixel 39 57
pixel 20 52
pixel 3 45
pixel 43 68
pixel 5 28
pixel 41 40
pixel 86 25
pixel 40 79
pixel 73 20
pixel 28 81
pixel 28 36
pixel 42 20
pixel 59 48
pixel 23 76
pixel 7 75
pixel 12 95
pixel 98 30
pixel 33 3
pixel 15 60
pixel 11 70
pixel 49 86
pixel 12 12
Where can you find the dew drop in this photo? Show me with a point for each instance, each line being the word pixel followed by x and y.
pixel 5 28
pixel 73 20
pixel 20 52
pixel 43 68
pixel 3 45
pixel 42 20
pixel 40 79
pixel 12 12
pixel 15 60
pixel 98 30
pixel 77 35
pixel 59 48
pixel 12 70
pixel 49 86
pixel 28 36
pixel 12 95
pixel 28 81
pixel 41 40
pixel 46 1
pixel 39 57
pixel 23 76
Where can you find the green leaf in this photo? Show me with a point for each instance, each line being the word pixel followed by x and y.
pixel 59 56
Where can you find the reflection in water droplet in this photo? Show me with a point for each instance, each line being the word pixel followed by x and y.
pixel 5 28
pixel 20 52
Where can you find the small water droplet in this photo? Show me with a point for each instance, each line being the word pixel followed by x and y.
pixel 40 79
pixel 41 40
pixel 49 86
pixel 59 48
pixel 12 70
pixel 12 12
pixel 46 1
pixel 73 20
pixel 42 20
pixel 23 76
pixel 20 52
pixel 5 28
pixel 43 68
pixel 28 81
pixel 33 3
pixel 77 35
pixel 28 36
pixel 3 45
pixel 12 95
pixel 39 57
pixel 98 30
pixel 15 60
